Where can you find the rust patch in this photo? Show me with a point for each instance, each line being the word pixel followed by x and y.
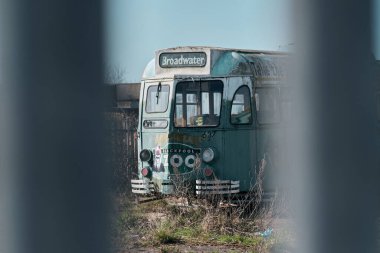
pixel 161 139
pixel 186 139
pixel 176 171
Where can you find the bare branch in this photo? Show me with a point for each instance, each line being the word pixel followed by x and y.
pixel 115 74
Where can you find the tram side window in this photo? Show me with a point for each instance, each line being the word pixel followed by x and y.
pixel 267 105
pixel 198 104
pixel 241 107
pixel 157 98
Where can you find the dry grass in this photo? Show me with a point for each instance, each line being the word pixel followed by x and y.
pixel 186 220
pixel 164 222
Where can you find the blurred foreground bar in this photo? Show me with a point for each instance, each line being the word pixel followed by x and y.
pixel 342 199
pixel 52 130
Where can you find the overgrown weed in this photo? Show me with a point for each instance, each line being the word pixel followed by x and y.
pixel 208 221
pixel 165 235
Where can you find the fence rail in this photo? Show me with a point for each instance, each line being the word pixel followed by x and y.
pixel 122 142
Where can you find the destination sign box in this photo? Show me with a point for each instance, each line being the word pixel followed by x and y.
pixel 186 59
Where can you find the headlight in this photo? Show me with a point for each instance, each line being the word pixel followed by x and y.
pixel 208 155
pixel 146 155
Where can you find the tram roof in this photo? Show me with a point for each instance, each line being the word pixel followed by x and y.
pixel 215 62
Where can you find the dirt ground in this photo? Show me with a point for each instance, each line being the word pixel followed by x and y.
pixel 191 249
pixel 206 249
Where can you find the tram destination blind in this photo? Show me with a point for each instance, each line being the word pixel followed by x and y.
pixel 186 59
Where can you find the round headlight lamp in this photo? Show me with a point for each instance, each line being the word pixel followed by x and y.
pixel 146 155
pixel 208 155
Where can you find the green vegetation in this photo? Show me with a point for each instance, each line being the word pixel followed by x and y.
pixel 165 236
pixel 159 224
pixel 239 239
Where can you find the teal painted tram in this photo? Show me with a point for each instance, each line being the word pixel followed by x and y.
pixel 208 117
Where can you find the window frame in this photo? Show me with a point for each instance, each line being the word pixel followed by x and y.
pixel 147 94
pixel 250 106
pixel 184 103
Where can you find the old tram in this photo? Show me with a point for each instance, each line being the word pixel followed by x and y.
pixel 207 118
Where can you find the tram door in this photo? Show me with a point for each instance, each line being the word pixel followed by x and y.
pixel 240 138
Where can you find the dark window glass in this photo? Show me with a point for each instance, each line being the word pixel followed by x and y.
pixel 267 105
pixel 241 112
pixel 198 104
pixel 157 98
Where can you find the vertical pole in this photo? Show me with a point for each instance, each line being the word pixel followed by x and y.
pixel 51 77
pixel 340 193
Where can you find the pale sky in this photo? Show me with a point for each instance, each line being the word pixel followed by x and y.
pixel 135 29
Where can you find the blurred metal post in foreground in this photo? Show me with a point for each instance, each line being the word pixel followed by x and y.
pixel 52 168
pixel 340 186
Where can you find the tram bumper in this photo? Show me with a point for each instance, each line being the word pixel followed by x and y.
pixel 154 186
pixel 216 187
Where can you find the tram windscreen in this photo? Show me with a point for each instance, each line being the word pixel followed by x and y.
pixel 198 103
pixel 157 98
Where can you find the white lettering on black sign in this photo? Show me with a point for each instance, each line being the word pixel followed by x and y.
pixel 177 60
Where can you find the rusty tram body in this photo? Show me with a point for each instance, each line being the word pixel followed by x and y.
pixel 208 117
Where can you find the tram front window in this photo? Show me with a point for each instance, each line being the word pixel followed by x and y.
pixel 157 98
pixel 198 104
